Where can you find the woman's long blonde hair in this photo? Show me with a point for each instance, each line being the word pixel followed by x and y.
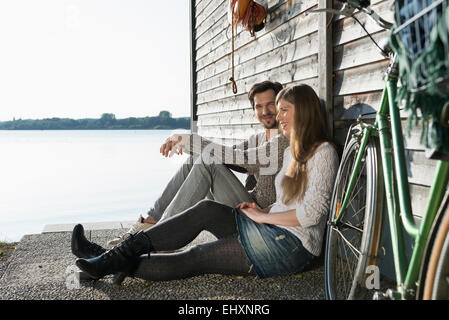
pixel 307 134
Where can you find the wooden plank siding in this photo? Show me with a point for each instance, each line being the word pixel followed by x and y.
pixel 285 51
pixel 359 77
pixel 288 50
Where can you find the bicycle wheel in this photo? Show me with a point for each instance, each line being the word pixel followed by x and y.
pixel 436 284
pixel 352 244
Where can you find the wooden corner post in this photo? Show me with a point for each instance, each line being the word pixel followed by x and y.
pixel 193 101
pixel 325 66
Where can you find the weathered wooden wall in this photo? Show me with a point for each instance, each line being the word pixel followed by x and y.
pixel 285 51
pixel 288 50
pixel 359 70
pixel 359 77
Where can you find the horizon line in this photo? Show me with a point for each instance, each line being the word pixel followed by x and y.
pixel 49 118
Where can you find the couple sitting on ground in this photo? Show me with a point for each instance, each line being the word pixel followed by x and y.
pixel 275 229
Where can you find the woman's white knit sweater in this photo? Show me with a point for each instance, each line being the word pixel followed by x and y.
pixel 313 209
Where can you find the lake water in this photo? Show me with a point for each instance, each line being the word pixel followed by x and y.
pixel 49 177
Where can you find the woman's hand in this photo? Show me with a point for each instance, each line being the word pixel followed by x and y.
pixel 255 214
pixel 244 205
pixel 258 215
pixel 252 211
pixel 174 144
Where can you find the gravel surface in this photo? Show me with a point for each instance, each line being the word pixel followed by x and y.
pixel 6 250
pixel 38 270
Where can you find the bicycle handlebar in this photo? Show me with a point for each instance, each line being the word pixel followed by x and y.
pixel 374 16
pixel 349 7
pixel 360 3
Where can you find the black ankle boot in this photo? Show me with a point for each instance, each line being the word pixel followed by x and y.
pixel 120 277
pixel 121 259
pixel 83 248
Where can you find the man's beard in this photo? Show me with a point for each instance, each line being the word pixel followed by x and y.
pixel 275 125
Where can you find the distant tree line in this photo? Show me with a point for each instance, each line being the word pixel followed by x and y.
pixel 107 122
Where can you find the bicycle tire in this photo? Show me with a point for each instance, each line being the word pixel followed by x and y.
pixel 428 249
pixel 366 236
pixel 436 283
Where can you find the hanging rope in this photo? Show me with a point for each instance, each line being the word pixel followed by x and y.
pixel 251 14
pixel 234 84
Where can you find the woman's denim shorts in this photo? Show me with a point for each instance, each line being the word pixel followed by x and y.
pixel 271 249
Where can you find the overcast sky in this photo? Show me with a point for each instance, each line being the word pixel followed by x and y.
pixel 82 58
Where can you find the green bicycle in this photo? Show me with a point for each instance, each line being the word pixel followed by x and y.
pixel 373 175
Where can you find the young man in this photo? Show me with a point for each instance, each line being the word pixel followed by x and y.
pixel 197 178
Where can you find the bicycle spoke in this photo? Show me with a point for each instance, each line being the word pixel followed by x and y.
pixel 357 180
pixel 348 268
pixel 352 227
pixel 348 242
pixel 348 271
pixel 358 211
pixel 359 190
pixel 345 239
pixel 342 271
pixel 354 250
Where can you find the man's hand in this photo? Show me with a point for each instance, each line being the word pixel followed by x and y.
pixel 174 144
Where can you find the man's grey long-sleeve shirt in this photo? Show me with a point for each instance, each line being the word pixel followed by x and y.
pixel 261 158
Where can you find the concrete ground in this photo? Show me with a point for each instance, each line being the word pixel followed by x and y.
pixel 40 269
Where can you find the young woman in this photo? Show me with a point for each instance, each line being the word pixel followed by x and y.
pixel 281 239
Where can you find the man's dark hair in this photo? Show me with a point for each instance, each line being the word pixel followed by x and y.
pixel 262 87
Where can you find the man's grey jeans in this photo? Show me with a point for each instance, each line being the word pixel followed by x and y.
pixel 193 181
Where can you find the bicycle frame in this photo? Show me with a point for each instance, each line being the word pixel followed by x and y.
pixel 388 127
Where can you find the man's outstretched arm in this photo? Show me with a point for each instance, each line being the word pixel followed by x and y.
pixel 264 159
